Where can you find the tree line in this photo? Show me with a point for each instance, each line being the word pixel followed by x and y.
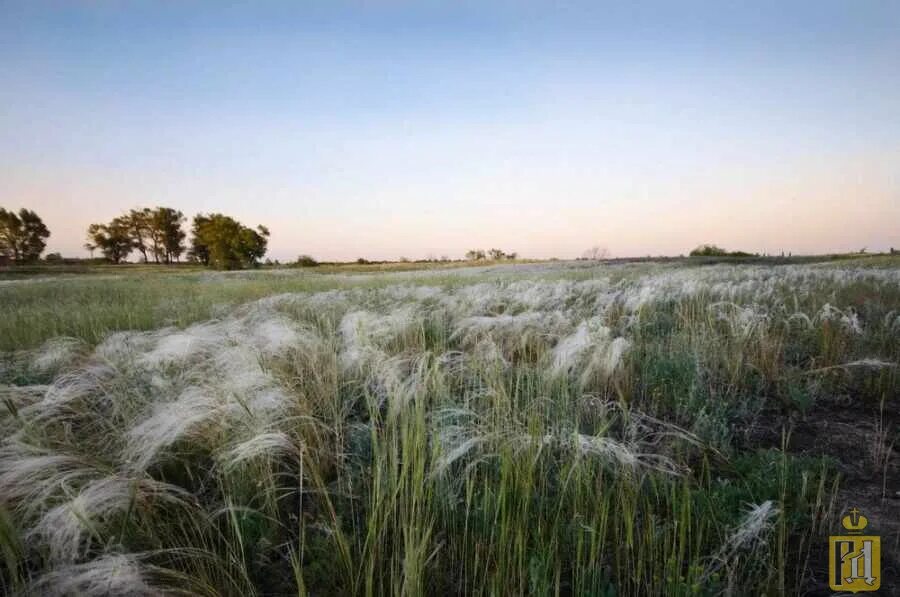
pixel 493 254
pixel 217 240
pixel 156 234
pixel 715 251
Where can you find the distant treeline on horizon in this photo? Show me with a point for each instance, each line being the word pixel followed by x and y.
pixel 157 235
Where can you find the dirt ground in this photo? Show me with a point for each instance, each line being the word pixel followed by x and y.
pixel 849 434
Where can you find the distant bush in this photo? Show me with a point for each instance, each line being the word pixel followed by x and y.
pixel 597 252
pixel 306 261
pixel 53 258
pixel 709 251
pixel 714 251
pixel 492 254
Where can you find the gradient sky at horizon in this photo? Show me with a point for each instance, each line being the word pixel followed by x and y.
pixel 388 129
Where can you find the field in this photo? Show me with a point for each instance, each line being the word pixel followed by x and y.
pixel 546 428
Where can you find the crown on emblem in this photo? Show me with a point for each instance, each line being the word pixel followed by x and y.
pixel 854 521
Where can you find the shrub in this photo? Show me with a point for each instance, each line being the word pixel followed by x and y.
pixel 709 251
pixel 714 251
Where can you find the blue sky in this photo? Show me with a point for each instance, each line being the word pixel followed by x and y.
pixel 387 129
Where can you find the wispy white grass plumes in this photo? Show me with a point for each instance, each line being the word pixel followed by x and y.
pixel 267 444
pixel 56 354
pixel 750 533
pixel 625 457
pixel 101 577
pixel 365 335
pixel 30 476
pixel 871 363
pixel 848 319
pixel 570 349
pixel 86 383
pixel 169 423
pixel 432 437
pixel 745 541
pixel 66 527
pixel 606 359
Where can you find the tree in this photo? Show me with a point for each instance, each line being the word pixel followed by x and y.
pixel 155 232
pixel 200 236
pixel 23 236
pixel 224 243
pixel 496 254
pixel 596 253
pixel 708 251
pixel 475 255
pixel 254 243
pixel 714 251
pixel 166 233
pixel 114 239
pixel 141 230
pixel 306 261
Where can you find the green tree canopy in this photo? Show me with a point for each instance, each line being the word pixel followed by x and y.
pixel 153 232
pixel 140 228
pixel 714 251
pixel 114 239
pixel 168 237
pixel 224 243
pixel 709 251
pixel 23 235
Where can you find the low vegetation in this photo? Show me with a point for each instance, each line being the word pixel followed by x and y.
pixel 538 429
pixel 492 254
pixel 714 251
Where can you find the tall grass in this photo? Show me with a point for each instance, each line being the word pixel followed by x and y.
pixel 552 432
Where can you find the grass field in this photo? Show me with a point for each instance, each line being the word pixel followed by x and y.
pixel 546 428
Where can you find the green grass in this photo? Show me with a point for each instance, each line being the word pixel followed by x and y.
pixel 140 297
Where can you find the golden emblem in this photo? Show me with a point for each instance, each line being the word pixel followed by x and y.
pixel 854 559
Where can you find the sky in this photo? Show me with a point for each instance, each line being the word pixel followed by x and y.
pixel 400 129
